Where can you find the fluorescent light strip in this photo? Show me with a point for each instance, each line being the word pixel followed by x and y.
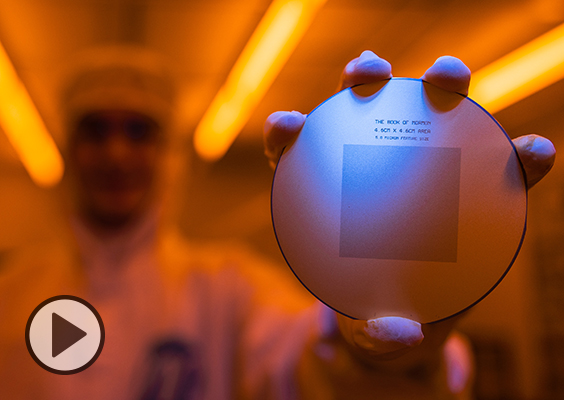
pixel 268 49
pixel 25 129
pixel 521 73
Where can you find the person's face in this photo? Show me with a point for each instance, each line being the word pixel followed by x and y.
pixel 115 155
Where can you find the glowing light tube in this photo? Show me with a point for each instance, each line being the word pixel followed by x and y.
pixel 25 129
pixel 520 73
pixel 268 49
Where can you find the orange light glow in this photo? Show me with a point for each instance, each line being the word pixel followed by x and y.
pixel 268 49
pixel 521 73
pixel 25 129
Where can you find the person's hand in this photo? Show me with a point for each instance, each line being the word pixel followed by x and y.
pixel 390 337
pixel 282 127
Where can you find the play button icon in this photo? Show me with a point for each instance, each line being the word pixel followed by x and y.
pixel 65 334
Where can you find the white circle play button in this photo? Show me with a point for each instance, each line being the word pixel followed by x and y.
pixel 65 334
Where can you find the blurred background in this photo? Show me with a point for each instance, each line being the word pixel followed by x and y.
pixel 517 332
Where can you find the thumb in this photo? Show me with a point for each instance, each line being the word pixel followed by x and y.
pixel 382 338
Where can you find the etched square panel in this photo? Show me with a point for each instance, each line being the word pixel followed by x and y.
pixel 400 202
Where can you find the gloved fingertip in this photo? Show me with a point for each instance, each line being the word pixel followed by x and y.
pixel 271 120
pixel 542 148
pixel 395 329
pixel 449 73
pixel 367 55
pixel 535 148
pixel 284 121
pixel 370 64
pixel 349 68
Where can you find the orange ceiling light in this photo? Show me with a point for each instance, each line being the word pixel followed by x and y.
pixel 520 73
pixel 25 129
pixel 268 49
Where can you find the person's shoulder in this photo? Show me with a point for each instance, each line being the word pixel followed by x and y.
pixel 34 259
pixel 270 281
pixel 189 255
pixel 31 273
pixel 209 255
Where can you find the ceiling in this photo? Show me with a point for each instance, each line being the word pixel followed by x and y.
pixel 203 38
